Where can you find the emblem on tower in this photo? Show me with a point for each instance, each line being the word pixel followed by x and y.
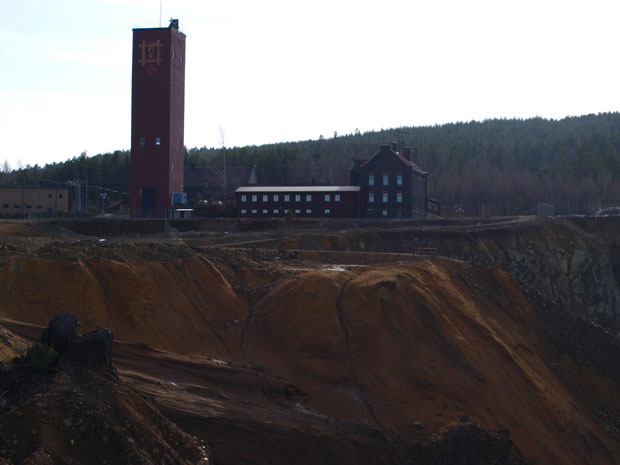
pixel 151 55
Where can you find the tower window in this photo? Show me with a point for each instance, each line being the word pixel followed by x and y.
pixel 142 141
pixel 158 141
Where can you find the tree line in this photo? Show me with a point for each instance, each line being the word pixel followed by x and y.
pixel 478 168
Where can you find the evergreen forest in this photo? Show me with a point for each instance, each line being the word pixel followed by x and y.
pixel 494 167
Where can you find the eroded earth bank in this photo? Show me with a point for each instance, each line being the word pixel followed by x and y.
pixel 331 343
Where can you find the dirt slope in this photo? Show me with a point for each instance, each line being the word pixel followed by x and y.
pixel 82 417
pixel 180 305
pixel 391 345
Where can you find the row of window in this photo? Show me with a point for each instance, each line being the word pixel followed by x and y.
pixel 385 212
pixel 385 178
pixel 143 141
pixel 276 211
pixel 287 197
pixel 28 206
pixel 385 197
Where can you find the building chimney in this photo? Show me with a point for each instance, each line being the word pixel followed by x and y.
pixel 395 147
pixel 407 153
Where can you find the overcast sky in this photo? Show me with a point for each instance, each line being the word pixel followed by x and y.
pixel 273 70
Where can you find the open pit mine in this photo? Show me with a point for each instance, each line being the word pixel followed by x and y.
pixel 235 342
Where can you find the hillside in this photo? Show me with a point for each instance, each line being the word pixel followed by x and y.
pixel 494 167
pixel 331 347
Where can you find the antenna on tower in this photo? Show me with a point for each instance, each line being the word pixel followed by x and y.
pixel 160 2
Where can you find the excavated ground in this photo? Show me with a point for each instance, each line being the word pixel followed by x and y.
pixel 309 353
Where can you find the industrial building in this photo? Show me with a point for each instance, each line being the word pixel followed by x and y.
pixel 388 185
pixel 25 201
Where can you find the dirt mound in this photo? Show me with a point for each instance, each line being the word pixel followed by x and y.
pixel 397 345
pixel 84 417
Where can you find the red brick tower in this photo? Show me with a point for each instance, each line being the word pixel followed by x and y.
pixel 157 110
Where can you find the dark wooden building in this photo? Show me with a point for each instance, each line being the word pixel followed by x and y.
pixel 302 201
pixel 388 185
pixel 157 118
pixel 391 184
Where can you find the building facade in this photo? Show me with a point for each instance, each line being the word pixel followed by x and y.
pixel 391 185
pixel 388 185
pixel 157 120
pixel 300 201
pixel 25 201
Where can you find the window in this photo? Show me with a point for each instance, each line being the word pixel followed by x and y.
pixel 39 207
pixel 28 206
pixel 297 198
pixel 327 211
pixel 386 179
pixel 265 211
pixel 328 197
pixel 244 211
pixel 254 211
pixel 297 211
pixel 49 196
pixel 399 197
pixel 275 212
pixel 6 205
pixel 308 197
pixel 287 198
pixel 371 179
pixel 254 197
pixel 265 198
pixel 158 141
pixel 371 197
pixel 384 212
pixel 399 179
pixel 244 198
pixel 276 198
pixel 385 197
pixel 286 210
pixel 16 206
pixel 308 211
pixel 337 197
pixel 142 141
pixel 60 196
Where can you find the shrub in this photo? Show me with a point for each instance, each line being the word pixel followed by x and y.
pixel 42 358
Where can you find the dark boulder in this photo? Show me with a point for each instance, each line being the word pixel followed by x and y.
pixel 93 350
pixel 60 331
